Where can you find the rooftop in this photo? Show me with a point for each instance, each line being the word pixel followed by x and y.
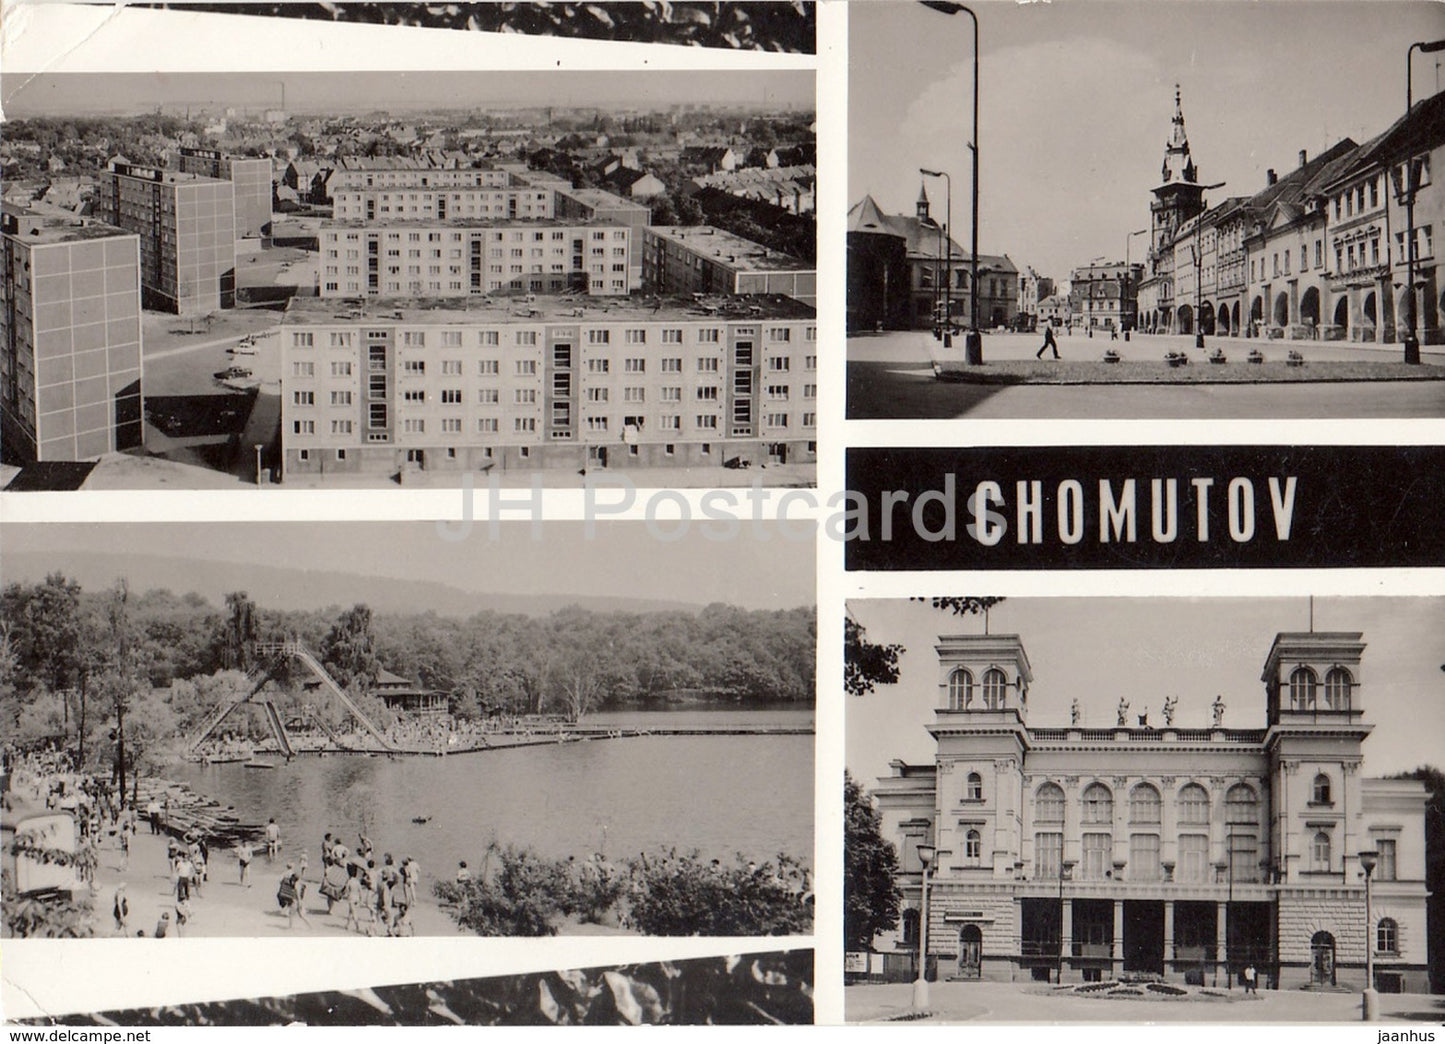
pixel 725 246
pixel 165 177
pixel 540 308
pixel 599 197
pixel 41 228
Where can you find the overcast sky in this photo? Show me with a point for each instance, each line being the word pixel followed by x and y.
pixel 624 560
pixel 1076 100
pixel 1099 649
pixel 349 92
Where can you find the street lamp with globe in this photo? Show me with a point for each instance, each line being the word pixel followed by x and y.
pixel 920 984
pixel 1370 1002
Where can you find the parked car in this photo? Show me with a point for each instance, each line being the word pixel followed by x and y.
pixel 232 372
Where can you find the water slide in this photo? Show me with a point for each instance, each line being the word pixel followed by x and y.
pixel 278 729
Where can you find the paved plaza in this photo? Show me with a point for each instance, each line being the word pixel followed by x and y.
pixel 890 376
pixel 1038 1003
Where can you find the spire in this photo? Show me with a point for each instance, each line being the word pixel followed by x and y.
pixel 1178 165
pixel 922 206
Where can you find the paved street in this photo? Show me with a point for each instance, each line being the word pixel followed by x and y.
pixel 1028 1002
pixel 890 377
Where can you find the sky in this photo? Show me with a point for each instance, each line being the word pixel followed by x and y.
pixel 1076 101
pixel 351 92
pixel 1146 649
pixel 624 560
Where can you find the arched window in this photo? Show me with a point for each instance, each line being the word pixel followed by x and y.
pixel 995 688
pixel 1098 804
pixel 974 788
pixel 1049 804
pixel 1302 685
pixel 1241 806
pixel 1144 804
pixel 1320 852
pixel 1193 805
pixel 1320 794
pixel 1387 936
pixel 1338 684
pixel 960 689
pixel 973 847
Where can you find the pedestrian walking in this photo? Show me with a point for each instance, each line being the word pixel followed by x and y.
pixel 1049 343
pixel 289 895
pixel 245 852
pixel 1250 984
pixel 273 839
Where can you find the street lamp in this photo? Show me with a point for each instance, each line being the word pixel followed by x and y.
pixel 920 985
pixel 1066 869
pixel 1124 285
pixel 973 341
pixel 946 284
pixel 259 447
pixel 1370 1006
pixel 1199 264
pixel 1412 343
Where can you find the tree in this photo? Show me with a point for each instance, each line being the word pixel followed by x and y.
pixel 870 870
pixel 237 639
pixel 865 663
pixel 349 649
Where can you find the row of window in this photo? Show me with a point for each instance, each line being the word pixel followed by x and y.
pixel 1192 866
pixel 1304 689
pixel 1192 806
pixel 457 338
pixel 961 688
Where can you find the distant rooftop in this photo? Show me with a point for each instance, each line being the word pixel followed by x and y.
pixel 42 228
pixel 732 249
pixel 535 308
pixel 597 196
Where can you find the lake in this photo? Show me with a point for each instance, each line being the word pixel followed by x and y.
pixel 718 794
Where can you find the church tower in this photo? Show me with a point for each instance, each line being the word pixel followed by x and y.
pixel 921 208
pixel 1179 196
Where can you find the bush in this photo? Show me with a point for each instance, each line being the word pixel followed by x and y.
pixel 681 895
pixel 521 898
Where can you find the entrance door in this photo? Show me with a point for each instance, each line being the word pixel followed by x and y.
pixel 970 952
pixel 417 457
pixel 1144 936
pixel 1322 959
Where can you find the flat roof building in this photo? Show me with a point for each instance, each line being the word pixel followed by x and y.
pixel 70 337
pixel 251 182
pixel 546 381
pixel 187 229
pixel 461 257
pixel 678 259
pixel 383 205
pixel 1165 851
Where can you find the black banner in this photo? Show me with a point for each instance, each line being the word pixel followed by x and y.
pixel 1143 507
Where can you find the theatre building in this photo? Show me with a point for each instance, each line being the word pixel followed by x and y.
pixel 1069 853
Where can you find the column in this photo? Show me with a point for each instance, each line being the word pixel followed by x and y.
pixel 1168 936
pixel 1018 937
pixel 1116 950
pixel 1066 932
pixel 1221 939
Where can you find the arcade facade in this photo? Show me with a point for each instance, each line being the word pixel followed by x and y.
pixel 1070 853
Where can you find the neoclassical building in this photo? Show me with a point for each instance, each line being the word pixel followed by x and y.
pixel 1073 853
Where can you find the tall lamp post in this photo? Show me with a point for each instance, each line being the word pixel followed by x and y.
pixel 920 985
pixel 1066 867
pixel 1370 1006
pixel 1199 265
pixel 1124 286
pixel 1407 191
pixel 973 341
pixel 947 282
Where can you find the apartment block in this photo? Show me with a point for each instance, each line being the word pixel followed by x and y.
pixel 588 204
pixel 70 338
pixel 467 256
pixel 411 383
pixel 416 203
pixel 400 172
pixel 701 259
pixel 187 229
pixel 250 178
